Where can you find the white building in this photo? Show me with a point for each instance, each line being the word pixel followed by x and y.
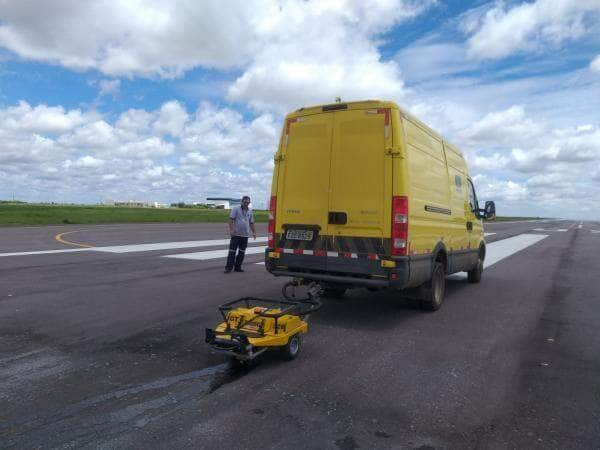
pixel 222 202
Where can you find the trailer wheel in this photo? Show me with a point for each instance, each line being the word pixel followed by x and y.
pixel 474 275
pixel 434 290
pixel 292 348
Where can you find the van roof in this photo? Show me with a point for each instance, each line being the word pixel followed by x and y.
pixel 343 105
pixel 362 104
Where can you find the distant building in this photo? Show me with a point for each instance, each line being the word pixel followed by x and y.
pixel 222 202
pixel 135 204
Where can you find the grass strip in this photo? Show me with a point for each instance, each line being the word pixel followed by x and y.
pixel 45 214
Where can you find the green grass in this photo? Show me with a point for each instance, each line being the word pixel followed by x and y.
pixel 45 214
pixel 18 213
pixel 510 219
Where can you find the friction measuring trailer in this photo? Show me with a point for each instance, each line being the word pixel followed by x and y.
pixel 251 325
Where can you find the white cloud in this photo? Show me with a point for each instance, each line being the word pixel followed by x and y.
pixel 523 145
pixel 500 32
pixel 291 53
pixel 306 57
pixel 167 38
pixel 88 162
pixel 171 119
pixel 214 151
pixel 134 120
pixel 40 119
pixel 222 135
pixel 595 64
pixel 501 128
pixel 505 193
pixel 130 37
pixel 194 158
pixel 109 87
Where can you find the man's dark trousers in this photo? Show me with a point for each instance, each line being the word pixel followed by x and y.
pixel 237 243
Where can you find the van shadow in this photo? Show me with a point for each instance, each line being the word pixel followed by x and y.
pixel 362 309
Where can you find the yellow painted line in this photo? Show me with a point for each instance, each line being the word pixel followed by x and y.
pixel 59 238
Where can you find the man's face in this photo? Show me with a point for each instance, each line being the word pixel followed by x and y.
pixel 245 202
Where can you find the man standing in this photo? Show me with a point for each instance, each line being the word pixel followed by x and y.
pixel 241 221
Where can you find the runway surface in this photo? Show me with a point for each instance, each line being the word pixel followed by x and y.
pixel 102 330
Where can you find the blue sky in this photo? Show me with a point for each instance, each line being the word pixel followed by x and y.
pixel 156 101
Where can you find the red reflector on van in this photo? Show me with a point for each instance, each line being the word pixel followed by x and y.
pixel 271 224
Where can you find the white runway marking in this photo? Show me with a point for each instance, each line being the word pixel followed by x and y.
pixel 138 247
pixel 595 231
pixel 488 234
pixel 497 251
pixel 545 229
pixel 214 254
pixel 44 252
pixel 169 245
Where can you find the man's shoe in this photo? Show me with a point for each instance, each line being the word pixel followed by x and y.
pixel 239 269
pixel 227 270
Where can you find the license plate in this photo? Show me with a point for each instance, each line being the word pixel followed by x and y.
pixel 299 235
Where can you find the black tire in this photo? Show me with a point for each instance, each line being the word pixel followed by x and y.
pixel 433 291
pixel 334 292
pixel 292 348
pixel 474 275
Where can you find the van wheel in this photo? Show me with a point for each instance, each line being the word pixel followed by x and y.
pixel 292 348
pixel 433 291
pixel 474 275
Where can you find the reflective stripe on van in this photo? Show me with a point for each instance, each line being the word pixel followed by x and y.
pixel 355 247
pixel 348 255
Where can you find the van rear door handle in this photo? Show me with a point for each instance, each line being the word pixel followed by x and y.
pixel 470 226
pixel 337 218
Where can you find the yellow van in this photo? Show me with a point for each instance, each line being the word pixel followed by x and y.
pixel 365 195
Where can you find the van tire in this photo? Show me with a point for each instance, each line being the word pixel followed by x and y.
pixel 474 275
pixel 433 291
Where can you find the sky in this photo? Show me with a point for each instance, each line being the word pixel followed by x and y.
pixel 183 100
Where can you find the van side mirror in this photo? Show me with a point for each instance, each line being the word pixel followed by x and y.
pixel 489 210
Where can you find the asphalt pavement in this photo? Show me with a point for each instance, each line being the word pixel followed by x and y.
pixel 102 346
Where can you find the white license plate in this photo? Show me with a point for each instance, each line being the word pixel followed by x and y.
pixel 299 235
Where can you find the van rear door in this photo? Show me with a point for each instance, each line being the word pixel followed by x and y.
pixel 304 183
pixel 359 204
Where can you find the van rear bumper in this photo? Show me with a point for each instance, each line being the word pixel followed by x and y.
pixel 346 271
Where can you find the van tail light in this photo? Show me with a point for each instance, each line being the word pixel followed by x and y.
pixel 271 225
pixel 399 225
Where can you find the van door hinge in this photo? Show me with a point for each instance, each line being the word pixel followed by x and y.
pixel 394 151
pixel 279 157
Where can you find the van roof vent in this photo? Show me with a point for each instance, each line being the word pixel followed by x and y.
pixel 335 107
